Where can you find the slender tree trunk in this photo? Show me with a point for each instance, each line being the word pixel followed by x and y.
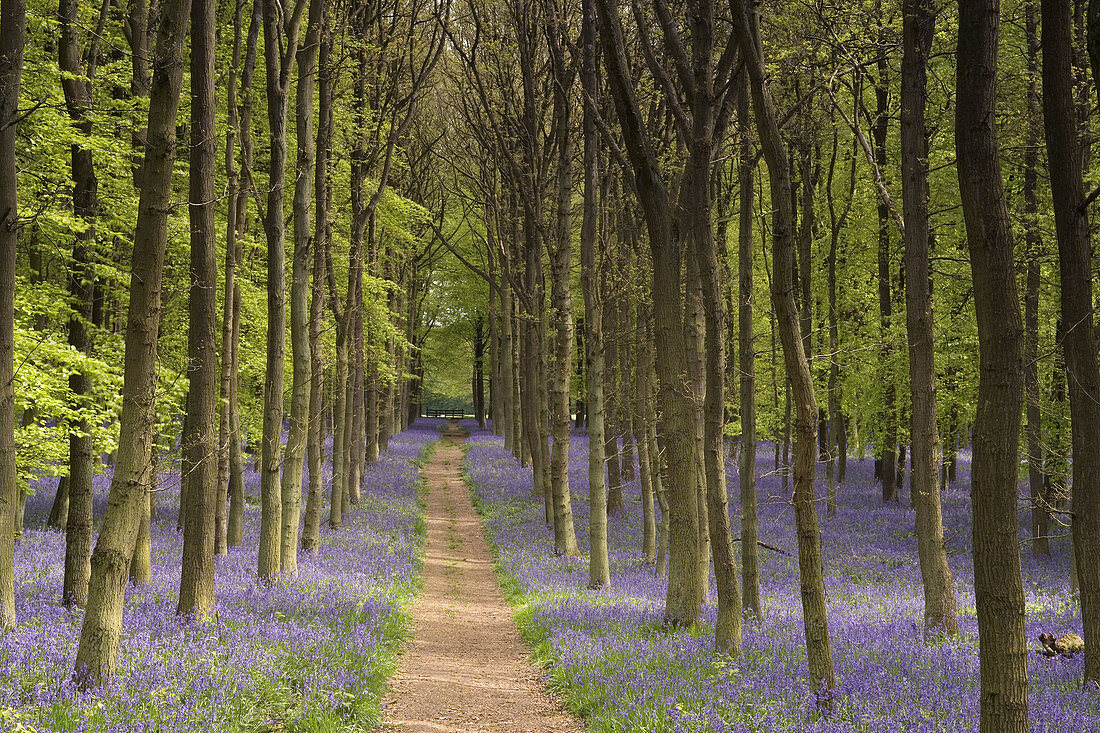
pixel 818 646
pixel 301 356
pixel 77 87
pixel 141 563
pixel 888 428
pixel 235 528
pixel 232 186
pixel 599 566
pixel 200 448
pixel 612 334
pixel 1040 515
pixel 940 604
pixel 746 353
pixel 1075 266
pixel 13 29
pixel 316 437
pixel 97 654
pixel 645 459
pixel 271 509
pixel 997 585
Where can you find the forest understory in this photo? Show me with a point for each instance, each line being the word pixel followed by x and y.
pixel 616 665
pixel 309 653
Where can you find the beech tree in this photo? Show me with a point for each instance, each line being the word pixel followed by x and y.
pixel 97 655
pixel 13 30
pixel 998 588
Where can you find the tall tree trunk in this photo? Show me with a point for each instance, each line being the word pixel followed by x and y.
pixel 1075 266
pixel 746 354
pixel 888 430
pixel 561 255
pixel 77 86
pixel 728 624
pixel 226 376
pixel 200 447
pixel 1040 516
pixel 612 334
pixel 97 654
pixel 599 566
pixel 316 439
pixel 940 604
pixel 684 597
pixel 13 29
pixel 235 522
pixel 998 588
pixel 818 646
pixel 280 42
pixel 301 356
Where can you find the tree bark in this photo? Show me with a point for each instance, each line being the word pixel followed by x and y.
pixel 888 437
pixel 77 87
pixel 301 355
pixel 998 588
pixel 97 654
pixel 599 566
pixel 13 28
pixel 278 62
pixel 746 354
pixel 683 601
pixel 200 448
pixel 940 604
pixel 818 646
pixel 316 438
pixel 1040 516
pixel 1075 265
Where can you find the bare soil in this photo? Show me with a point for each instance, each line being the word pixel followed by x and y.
pixel 466 668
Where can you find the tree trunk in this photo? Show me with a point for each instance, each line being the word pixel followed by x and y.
pixel 77 86
pixel 141 562
pixel 1040 516
pixel 278 76
pixel 316 434
pixel 818 646
pixel 746 354
pixel 683 601
pixel 998 588
pixel 888 435
pixel 1075 266
pixel 599 566
pixel 226 376
pixel 940 604
pixel 97 654
pixel 200 447
pixel 301 355
pixel 13 28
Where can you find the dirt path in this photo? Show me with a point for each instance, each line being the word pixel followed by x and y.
pixel 466 668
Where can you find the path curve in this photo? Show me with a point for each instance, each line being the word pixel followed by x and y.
pixel 466 668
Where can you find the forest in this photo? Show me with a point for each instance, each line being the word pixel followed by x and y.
pixel 710 365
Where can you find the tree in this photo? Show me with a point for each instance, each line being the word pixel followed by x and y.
pixel 599 572
pixel 97 654
pixel 940 605
pixel 13 29
pixel 998 588
pixel 200 448
pixel 1075 266
pixel 815 620
pixel 280 44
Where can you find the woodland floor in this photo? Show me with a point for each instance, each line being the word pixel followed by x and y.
pixel 466 667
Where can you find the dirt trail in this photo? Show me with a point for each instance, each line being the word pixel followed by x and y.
pixel 466 668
